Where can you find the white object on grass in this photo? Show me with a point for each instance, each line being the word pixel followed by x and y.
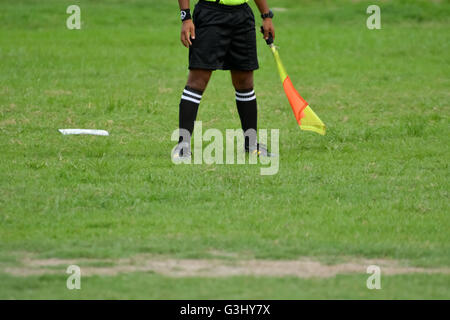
pixel 84 131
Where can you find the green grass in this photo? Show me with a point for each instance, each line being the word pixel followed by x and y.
pixel 151 286
pixel 375 186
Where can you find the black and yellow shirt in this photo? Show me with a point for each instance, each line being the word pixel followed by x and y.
pixel 229 2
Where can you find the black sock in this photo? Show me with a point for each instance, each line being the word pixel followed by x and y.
pixel 189 103
pixel 248 113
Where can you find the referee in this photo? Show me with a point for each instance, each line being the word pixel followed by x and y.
pixel 221 35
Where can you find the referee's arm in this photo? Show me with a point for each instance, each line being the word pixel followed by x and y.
pixel 267 22
pixel 188 28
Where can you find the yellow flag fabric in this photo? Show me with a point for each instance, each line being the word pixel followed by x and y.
pixel 312 122
pixel 305 116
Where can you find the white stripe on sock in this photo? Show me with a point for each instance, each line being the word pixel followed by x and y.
pixel 190 99
pixel 192 94
pixel 245 94
pixel 245 99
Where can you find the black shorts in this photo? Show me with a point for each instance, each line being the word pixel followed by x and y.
pixel 225 38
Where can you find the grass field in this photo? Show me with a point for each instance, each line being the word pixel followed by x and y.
pixel 375 187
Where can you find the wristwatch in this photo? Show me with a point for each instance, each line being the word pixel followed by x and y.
pixel 267 15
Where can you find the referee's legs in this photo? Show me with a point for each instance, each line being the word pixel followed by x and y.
pixel 190 100
pixel 246 103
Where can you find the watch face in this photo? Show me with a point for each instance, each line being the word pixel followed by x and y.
pixel 267 15
pixel 183 15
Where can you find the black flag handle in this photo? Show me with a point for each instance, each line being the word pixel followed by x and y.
pixel 270 40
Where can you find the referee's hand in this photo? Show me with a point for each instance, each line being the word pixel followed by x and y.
pixel 268 28
pixel 187 32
